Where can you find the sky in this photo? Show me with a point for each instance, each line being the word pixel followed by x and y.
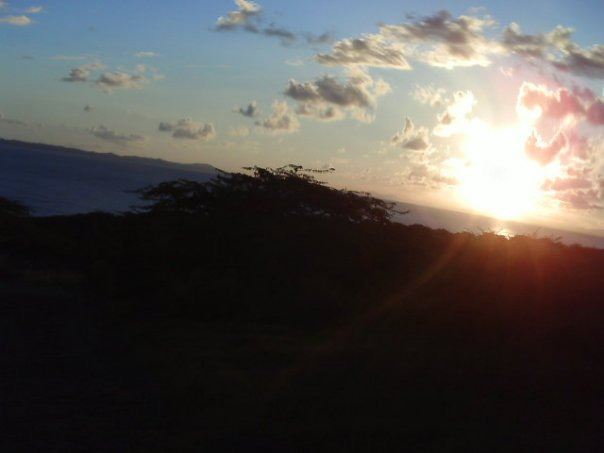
pixel 493 107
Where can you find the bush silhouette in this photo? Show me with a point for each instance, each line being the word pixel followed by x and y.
pixel 13 208
pixel 282 192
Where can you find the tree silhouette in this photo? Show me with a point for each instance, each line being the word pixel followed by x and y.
pixel 288 191
pixel 13 208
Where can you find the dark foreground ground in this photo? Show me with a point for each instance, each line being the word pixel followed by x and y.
pixel 143 333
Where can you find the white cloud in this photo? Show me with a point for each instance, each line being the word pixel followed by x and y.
pixel 16 20
pixel 455 117
pixel 281 121
pixel 34 10
pixel 246 9
pixel 146 54
pixel 410 137
pixel 427 94
pixel 239 132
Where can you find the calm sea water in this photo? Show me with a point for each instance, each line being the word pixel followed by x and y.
pixel 56 181
pixel 459 221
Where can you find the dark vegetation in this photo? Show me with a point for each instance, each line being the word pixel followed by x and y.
pixel 268 312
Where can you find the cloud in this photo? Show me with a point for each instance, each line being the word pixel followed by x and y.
pixel 551 104
pixel 81 73
pixel 544 152
pixel 359 93
pixel 67 57
pixel 3 4
pixel 411 137
pixel 110 81
pixel 443 41
pixel 557 49
pixel 295 62
pixel 187 129
pixel 246 10
pixel 369 50
pixel 20 21
pixel 88 108
pixel 323 38
pixel 581 104
pixel 250 111
pixel 286 36
pixel 320 112
pixel 5 120
pixel 247 17
pixel 34 10
pixel 78 74
pixel 455 117
pixel 281 121
pixel 564 184
pixel 438 40
pixel 111 136
pixel 434 97
pixel 239 132
pixel 146 54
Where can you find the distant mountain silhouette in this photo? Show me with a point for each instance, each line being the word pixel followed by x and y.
pixel 55 180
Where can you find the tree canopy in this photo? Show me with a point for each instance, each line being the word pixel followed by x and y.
pixel 289 191
pixel 13 208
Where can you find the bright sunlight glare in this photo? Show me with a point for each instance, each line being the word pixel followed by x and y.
pixel 498 179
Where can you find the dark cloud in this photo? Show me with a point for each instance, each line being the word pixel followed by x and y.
pixel 82 72
pixel 248 18
pixel 323 38
pixel 557 49
pixel 187 129
pixel 286 36
pixel 106 134
pixel 445 41
pixel 359 92
pixel 79 74
pixel 438 40
pixel 369 50
pixel 250 111
pixel 109 81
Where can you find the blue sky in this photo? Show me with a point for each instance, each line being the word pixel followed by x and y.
pixel 494 107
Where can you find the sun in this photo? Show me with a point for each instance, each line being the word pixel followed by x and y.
pixel 497 178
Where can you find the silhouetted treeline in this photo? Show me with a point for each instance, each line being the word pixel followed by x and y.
pixel 281 314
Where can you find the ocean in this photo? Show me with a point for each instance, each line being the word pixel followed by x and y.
pixel 60 181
